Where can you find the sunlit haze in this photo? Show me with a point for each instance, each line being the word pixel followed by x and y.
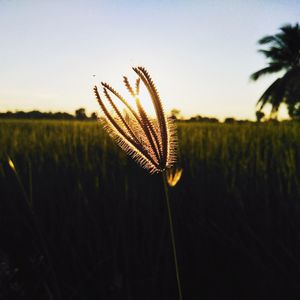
pixel 199 53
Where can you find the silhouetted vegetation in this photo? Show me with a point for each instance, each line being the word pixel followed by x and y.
pixel 199 118
pixel 80 115
pixel 259 115
pixel 175 113
pixel 283 54
pixel 230 120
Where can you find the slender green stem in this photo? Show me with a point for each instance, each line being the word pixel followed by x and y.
pixel 172 235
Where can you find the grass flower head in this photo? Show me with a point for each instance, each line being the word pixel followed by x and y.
pixel 151 141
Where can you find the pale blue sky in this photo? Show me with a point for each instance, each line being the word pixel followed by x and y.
pixel 199 53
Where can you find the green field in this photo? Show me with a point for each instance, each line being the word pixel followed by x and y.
pixel 236 210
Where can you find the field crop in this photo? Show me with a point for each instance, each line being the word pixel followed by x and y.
pixel 236 210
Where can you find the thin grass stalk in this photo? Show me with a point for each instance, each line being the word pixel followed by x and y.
pixel 170 217
pixel 40 233
pixel 30 183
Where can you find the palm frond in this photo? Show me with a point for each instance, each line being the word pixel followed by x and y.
pixel 267 39
pixel 265 71
pixel 282 90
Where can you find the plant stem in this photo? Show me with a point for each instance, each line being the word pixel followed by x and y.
pixel 172 235
pixel 39 232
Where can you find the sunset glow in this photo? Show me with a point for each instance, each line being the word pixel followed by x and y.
pixel 200 53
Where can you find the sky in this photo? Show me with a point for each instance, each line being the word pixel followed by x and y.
pixel 200 54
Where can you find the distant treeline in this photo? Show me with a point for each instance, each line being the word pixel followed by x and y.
pixel 201 119
pixel 80 114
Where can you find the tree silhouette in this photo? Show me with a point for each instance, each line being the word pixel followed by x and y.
pixel 175 113
pixel 93 116
pixel 283 54
pixel 80 114
pixel 229 120
pixel 259 115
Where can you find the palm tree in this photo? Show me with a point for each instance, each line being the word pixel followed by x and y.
pixel 283 54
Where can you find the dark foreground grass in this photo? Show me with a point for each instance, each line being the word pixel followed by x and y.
pixel 236 211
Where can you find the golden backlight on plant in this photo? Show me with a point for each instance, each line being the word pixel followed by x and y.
pixel 12 165
pixel 173 176
pixel 151 141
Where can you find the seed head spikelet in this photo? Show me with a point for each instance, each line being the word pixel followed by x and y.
pixel 11 164
pixel 147 80
pixel 173 176
pixel 142 118
pixel 151 141
pixel 128 86
pixel 127 143
pixel 137 86
pixel 146 123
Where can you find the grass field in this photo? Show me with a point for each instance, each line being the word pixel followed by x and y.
pixel 104 221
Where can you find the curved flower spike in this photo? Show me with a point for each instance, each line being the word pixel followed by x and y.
pixel 150 141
